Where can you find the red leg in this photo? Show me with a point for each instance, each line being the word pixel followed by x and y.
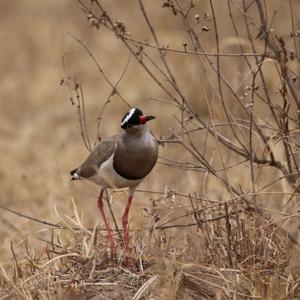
pixel 111 240
pixel 125 228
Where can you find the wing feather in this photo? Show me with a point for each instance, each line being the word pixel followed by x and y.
pixel 100 154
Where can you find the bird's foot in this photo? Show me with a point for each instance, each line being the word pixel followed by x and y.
pixel 113 248
pixel 128 262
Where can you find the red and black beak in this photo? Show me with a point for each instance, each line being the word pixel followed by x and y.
pixel 144 119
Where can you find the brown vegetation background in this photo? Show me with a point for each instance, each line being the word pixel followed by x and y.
pixel 39 129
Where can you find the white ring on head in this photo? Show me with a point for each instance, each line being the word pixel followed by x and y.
pixel 131 112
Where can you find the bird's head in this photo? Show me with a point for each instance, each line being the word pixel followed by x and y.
pixel 135 119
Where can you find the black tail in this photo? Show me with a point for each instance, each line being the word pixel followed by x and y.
pixel 73 172
pixel 74 175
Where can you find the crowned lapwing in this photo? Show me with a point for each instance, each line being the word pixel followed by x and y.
pixel 121 161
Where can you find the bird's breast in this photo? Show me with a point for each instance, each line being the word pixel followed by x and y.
pixel 135 158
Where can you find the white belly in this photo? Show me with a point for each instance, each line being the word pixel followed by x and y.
pixel 107 177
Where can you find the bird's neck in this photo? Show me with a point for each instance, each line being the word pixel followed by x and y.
pixel 137 131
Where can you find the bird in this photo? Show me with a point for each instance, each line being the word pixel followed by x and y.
pixel 121 161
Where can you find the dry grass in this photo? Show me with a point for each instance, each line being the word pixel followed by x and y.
pixel 207 223
pixel 250 259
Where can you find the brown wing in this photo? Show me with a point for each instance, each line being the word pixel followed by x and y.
pixel 99 155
